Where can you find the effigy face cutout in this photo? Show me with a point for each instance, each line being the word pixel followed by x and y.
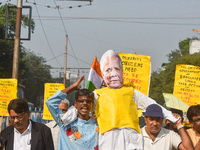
pixel 112 70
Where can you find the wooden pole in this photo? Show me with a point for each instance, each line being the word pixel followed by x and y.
pixel 65 63
pixel 17 40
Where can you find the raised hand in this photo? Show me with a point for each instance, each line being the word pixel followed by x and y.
pixel 74 86
pixel 179 121
pixel 77 83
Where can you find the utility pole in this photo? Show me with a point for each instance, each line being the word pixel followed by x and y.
pixel 78 74
pixel 17 40
pixel 65 63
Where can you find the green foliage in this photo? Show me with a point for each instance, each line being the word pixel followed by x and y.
pixel 12 20
pixel 7 46
pixel 6 58
pixel 183 49
pixel 156 88
pixel 30 75
pixel 174 55
pixel 33 77
pixel 163 81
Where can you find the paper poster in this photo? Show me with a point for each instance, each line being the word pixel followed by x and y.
pixel 50 90
pixel 187 84
pixel 8 91
pixel 136 71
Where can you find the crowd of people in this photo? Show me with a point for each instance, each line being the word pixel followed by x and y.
pixel 117 126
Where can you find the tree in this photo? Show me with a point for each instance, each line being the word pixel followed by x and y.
pixel 156 88
pixel 33 79
pixel 162 81
pixel 6 56
pixel 12 20
pixel 7 46
pixel 183 49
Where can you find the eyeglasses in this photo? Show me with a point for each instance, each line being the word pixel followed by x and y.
pixel 86 100
pixel 197 120
pixel 17 117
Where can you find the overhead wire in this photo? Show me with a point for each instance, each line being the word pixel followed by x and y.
pixel 79 59
pixel 55 57
pixel 71 56
pixel 151 18
pixel 125 21
pixel 46 36
pixel 58 6
pixel 130 18
pixel 66 33
pixel 118 19
pixel 152 22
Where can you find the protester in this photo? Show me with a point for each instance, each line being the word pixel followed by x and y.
pixel 193 115
pixel 63 106
pixel 116 108
pixel 82 133
pixel 170 125
pixel 25 134
pixel 158 138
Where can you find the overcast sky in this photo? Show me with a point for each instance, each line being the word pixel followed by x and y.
pixel 147 27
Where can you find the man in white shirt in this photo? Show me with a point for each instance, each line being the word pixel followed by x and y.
pixel 25 134
pixel 158 138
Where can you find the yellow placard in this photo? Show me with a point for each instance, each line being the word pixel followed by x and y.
pixel 187 84
pixel 8 91
pixel 136 71
pixel 50 90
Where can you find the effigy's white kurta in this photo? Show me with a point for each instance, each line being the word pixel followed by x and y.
pixel 118 119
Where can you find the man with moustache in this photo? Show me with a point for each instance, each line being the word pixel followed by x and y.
pixel 25 134
pixel 82 133
pixel 158 138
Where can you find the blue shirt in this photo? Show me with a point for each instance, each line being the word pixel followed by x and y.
pixel 79 135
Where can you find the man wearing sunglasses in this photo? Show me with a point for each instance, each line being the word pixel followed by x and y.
pixel 82 133
pixel 24 134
